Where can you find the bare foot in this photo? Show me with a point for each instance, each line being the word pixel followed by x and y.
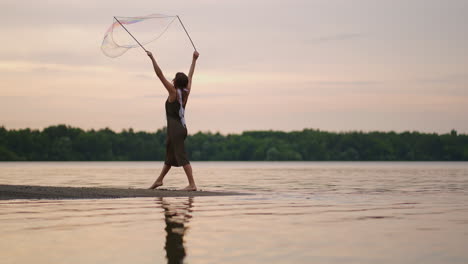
pixel 189 188
pixel 155 185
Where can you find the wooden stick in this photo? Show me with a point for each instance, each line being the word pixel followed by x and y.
pixel 131 35
pixel 187 33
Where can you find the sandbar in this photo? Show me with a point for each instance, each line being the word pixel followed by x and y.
pixel 9 192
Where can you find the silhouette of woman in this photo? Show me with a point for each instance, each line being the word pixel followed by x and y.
pixel 179 91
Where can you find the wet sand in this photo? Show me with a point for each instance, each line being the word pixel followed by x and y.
pixel 9 192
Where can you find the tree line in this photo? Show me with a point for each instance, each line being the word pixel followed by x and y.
pixel 65 143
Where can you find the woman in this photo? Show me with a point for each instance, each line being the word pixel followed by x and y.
pixel 179 91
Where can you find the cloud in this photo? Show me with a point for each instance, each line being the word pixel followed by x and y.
pixel 198 95
pixel 337 37
pixel 34 67
pixel 446 79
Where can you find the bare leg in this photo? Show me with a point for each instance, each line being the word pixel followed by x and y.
pixel 159 180
pixel 188 172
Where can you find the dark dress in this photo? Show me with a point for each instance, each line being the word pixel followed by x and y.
pixel 176 134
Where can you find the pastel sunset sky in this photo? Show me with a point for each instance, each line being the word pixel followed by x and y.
pixel 336 65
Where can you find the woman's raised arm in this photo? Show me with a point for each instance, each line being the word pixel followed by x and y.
pixel 169 87
pixel 192 69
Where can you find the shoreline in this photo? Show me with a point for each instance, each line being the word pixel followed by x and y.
pixel 11 192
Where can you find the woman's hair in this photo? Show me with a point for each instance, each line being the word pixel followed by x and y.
pixel 180 80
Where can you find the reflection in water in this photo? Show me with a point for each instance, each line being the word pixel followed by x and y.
pixel 176 214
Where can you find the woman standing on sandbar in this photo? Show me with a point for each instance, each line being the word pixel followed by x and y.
pixel 179 91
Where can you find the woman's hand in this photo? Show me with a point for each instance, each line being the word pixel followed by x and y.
pixel 195 55
pixel 149 54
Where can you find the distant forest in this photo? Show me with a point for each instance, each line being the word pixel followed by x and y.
pixel 65 143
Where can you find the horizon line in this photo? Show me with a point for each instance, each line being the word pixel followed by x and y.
pixel 452 130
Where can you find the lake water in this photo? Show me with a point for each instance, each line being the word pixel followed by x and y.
pixel 299 212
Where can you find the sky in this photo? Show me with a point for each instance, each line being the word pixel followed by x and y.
pixel 335 65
